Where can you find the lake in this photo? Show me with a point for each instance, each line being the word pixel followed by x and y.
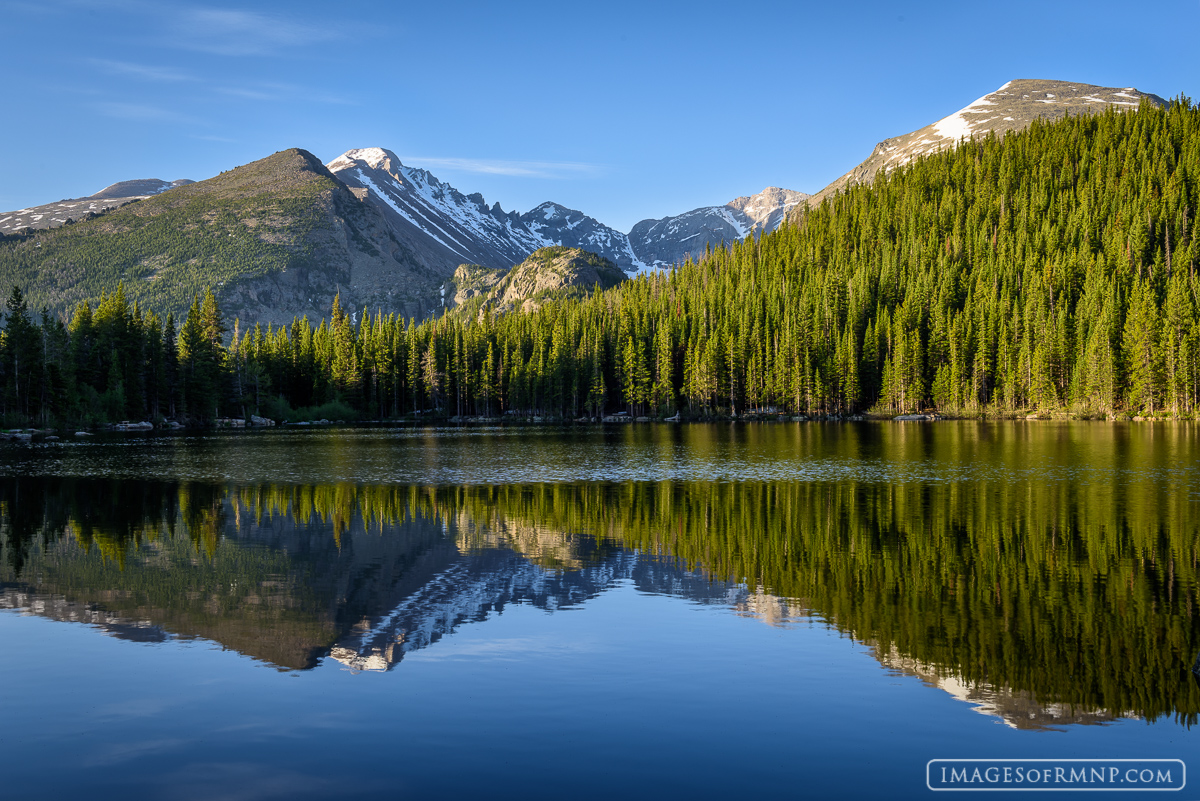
pixel 809 610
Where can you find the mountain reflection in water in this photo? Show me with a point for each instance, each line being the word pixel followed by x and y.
pixel 1043 608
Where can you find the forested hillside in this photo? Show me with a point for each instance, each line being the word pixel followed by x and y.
pixel 1053 269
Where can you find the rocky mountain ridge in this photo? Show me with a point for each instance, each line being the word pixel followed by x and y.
pixel 447 228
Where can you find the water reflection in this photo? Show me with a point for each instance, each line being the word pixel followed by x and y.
pixel 1043 605
pixel 1020 709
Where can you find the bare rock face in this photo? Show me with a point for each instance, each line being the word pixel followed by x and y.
pixel 472 281
pixel 1012 107
pixel 551 272
pixel 350 251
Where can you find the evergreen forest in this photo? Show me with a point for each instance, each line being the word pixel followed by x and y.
pixel 1051 270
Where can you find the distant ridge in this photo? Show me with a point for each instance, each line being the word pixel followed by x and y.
pixel 141 187
pixel 52 215
pixel 661 243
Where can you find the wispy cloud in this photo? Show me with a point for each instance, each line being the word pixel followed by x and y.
pixel 137 112
pixel 230 32
pixel 40 8
pixel 527 169
pixel 246 93
pixel 198 27
pixel 277 92
pixel 145 72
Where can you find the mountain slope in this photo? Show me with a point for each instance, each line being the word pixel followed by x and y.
pixel 274 238
pixel 1012 107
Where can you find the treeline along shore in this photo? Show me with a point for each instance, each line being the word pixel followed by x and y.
pixel 1052 270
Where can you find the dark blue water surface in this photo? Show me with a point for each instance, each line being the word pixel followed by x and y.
pixel 646 611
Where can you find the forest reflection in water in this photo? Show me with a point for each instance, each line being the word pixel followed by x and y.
pixel 1042 603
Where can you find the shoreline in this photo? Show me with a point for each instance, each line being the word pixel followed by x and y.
pixel 77 433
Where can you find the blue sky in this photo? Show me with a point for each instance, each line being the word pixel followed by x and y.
pixel 624 110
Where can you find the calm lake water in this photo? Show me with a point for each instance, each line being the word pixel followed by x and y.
pixel 644 611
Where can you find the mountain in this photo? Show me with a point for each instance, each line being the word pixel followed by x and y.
pixel 446 228
pixel 306 589
pixel 550 272
pixel 1012 107
pixel 274 241
pixel 281 236
pixel 661 243
pixel 65 212
pixel 274 238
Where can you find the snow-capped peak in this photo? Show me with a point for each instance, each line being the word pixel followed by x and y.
pixel 374 157
pixel 549 210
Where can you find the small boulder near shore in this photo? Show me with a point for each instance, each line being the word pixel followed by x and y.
pixel 126 425
pixel 912 418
